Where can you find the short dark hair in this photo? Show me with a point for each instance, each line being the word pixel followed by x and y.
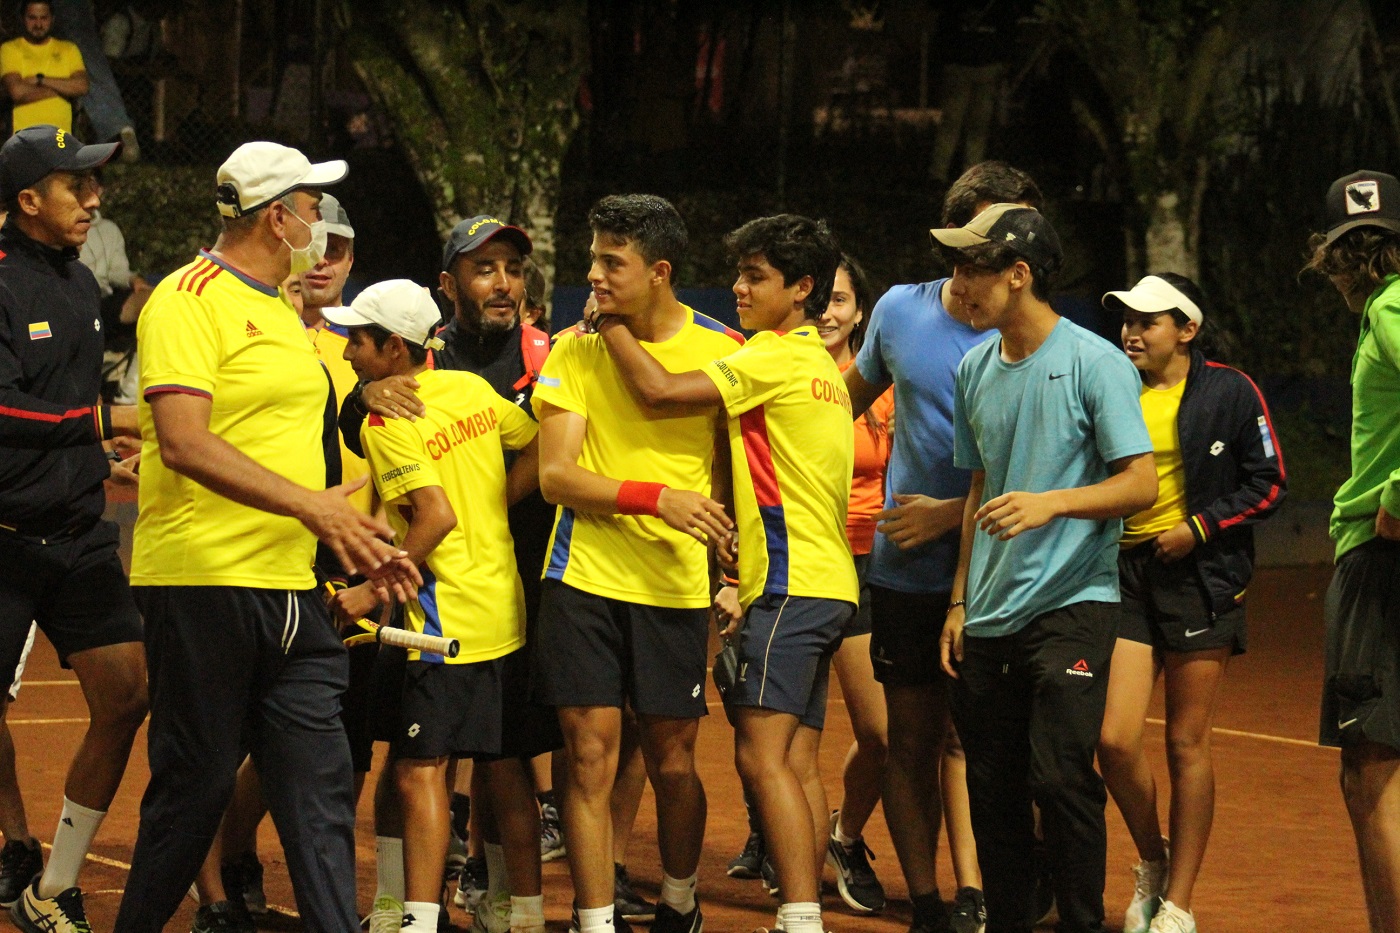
pixel 26 4
pixel 41 186
pixel 417 355
pixel 795 246
pixel 996 256
pixel 650 224
pixel 988 182
pixel 534 283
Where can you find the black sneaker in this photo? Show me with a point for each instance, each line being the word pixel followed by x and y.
pixel 630 905
pixel 20 865
pixel 769 875
pixel 931 917
pixel 471 883
pixel 855 879
pixel 223 917
pixel 748 863
pixel 620 925
pixel 670 920
pixel 551 833
pixel 969 912
pixel 243 882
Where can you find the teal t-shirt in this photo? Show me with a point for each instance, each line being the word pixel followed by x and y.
pixel 1375 423
pixel 1054 420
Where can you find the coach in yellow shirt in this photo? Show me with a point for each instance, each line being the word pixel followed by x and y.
pixel 42 75
pixel 242 652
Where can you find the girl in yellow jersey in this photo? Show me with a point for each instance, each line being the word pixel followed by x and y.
pixel 1183 568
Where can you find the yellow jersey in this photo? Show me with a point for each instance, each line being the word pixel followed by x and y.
pixel 53 58
pixel 330 350
pixel 633 558
pixel 471 589
pixel 1159 410
pixel 793 450
pixel 209 330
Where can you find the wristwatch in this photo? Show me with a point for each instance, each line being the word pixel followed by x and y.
pixel 39 79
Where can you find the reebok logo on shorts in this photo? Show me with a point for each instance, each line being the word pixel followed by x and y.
pixel 1080 669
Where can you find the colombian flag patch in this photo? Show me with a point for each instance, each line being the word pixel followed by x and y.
pixel 39 330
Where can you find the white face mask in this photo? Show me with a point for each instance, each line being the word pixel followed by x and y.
pixel 305 258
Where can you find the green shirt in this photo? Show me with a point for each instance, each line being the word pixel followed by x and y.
pixel 1375 423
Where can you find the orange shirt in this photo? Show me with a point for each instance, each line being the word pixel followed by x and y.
pixel 868 481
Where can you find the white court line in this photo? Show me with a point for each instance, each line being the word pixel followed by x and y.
pixel 45 722
pixel 1304 743
pixel 113 863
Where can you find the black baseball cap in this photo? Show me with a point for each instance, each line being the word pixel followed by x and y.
pixel 1363 199
pixel 40 150
pixel 475 231
pixel 1024 230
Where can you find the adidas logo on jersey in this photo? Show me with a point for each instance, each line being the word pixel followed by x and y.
pixel 1080 669
pixel 253 330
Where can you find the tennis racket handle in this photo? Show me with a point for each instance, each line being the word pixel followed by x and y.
pixel 433 644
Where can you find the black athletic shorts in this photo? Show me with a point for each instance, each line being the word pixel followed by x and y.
pixel 1361 689
pixel 860 619
pixel 1165 605
pixel 595 651
pixel 904 634
pixel 356 707
pixel 74 588
pixel 785 650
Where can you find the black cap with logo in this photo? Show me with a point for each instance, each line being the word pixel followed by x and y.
pixel 475 231
pixel 1363 199
pixel 37 151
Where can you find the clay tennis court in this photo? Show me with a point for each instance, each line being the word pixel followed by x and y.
pixel 1281 854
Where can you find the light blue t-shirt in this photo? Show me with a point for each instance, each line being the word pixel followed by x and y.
pixel 914 342
pixel 1054 420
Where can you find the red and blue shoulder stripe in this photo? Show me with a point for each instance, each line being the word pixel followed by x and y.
pixel 710 323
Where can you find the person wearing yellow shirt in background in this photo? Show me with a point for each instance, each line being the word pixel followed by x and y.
pixel 792 449
pixel 42 75
pixel 444 479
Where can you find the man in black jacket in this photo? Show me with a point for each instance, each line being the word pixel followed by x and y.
pixel 61 567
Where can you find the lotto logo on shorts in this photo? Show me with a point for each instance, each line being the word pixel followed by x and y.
pixel 696 691
pixel 1080 669
pixel 413 730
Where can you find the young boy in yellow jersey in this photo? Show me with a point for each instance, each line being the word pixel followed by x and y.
pixel 624 603
pixel 792 450
pixel 444 481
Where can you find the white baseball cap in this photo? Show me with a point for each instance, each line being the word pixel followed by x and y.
pixel 259 173
pixel 1153 295
pixel 397 305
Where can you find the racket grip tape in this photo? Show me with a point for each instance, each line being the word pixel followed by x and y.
pixel 433 644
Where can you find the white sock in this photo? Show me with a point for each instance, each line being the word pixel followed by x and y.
pixel 424 915
pixel 679 895
pixel 840 836
pixel 496 883
pixel 595 919
pixel 800 918
pixel 388 863
pixel 71 841
pixel 527 913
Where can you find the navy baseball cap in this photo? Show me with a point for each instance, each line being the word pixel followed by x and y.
pixel 38 151
pixel 1363 199
pixel 475 231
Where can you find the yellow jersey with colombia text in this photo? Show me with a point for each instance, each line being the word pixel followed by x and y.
pixel 792 445
pixel 211 331
pixel 471 590
pixel 634 558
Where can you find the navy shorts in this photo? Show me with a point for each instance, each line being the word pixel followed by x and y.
pixel 1165 605
pixel 74 588
pixel 785 650
pixel 596 651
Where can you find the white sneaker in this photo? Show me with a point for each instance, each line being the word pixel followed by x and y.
pixel 492 915
pixel 1150 883
pixel 387 915
pixel 1172 919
